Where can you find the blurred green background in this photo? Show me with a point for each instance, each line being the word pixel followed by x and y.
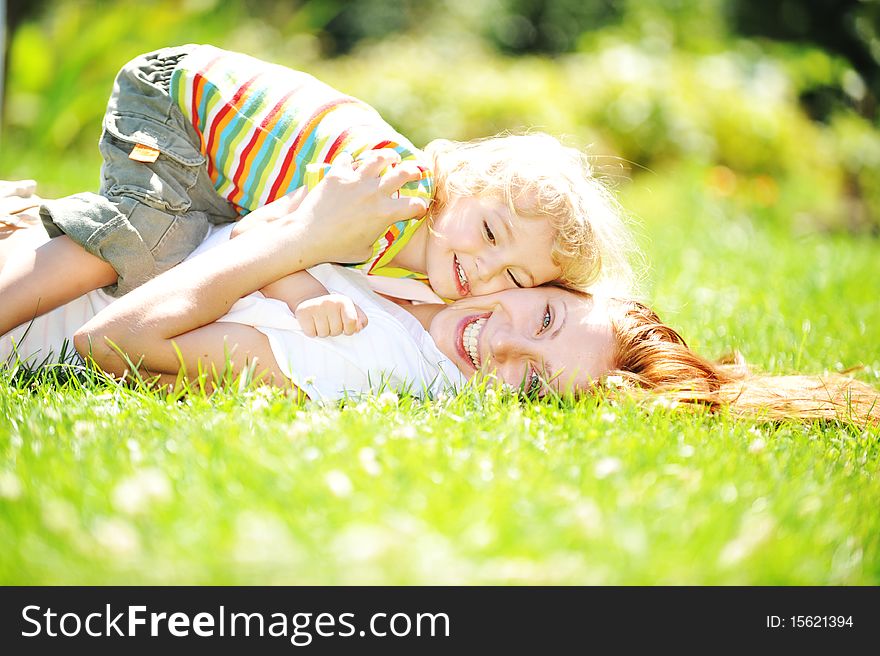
pixel 743 137
pixel 772 105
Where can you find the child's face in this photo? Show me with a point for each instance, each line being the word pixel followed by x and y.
pixel 477 246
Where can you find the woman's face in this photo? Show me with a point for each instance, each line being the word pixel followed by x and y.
pixel 530 337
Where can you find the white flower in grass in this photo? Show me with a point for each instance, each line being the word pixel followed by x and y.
pixel 509 389
pixel 729 493
pixel 134 450
pixel 387 399
pixel 262 538
pixel 339 484
pixel 588 516
pixel 608 417
pixel 613 381
pixel 606 467
pixel 759 505
pixel 757 445
pixel 754 532
pixel 117 536
pixel 141 490
pixel 10 486
pixel 367 457
pixel 361 543
pixel 487 472
pixel 59 515
pixel 663 403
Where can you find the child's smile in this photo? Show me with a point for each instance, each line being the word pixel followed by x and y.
pixel 460 276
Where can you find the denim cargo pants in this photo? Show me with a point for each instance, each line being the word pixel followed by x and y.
pixel 148 216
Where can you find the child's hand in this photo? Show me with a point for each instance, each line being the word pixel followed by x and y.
pixel 354 204
pixel 330 315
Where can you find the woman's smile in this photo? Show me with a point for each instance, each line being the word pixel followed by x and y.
pixel 470 329
pixel 468 338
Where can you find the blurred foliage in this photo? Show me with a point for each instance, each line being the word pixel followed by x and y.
pixel 850 28
pixel 783 130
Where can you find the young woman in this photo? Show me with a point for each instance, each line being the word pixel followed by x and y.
pixel 194 313
pixel 545 338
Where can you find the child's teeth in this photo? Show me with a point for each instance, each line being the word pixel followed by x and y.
pixel 461 277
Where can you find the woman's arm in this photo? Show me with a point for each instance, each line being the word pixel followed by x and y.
pixel 338 221
pixel 269 213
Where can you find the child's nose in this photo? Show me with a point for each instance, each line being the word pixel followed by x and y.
pixel 489 266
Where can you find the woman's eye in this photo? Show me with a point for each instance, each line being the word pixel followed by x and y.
pixel 534 382
pixel 547 318
pixel 488 232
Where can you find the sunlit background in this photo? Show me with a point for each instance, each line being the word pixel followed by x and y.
pixel 775 102
pixel 742 138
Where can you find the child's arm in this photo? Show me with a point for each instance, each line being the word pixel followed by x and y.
pixel 33 282
pixel 319 313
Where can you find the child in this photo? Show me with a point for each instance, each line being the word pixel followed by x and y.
pixel 195 136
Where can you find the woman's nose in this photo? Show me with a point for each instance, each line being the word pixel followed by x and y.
pixel 505 345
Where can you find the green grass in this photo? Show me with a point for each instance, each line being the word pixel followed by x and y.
pixel 101 484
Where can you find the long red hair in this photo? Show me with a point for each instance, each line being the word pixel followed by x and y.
pixel 651 356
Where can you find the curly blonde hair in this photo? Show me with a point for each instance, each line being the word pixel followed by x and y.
pixel 538 177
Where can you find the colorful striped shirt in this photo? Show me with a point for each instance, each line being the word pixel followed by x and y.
pixel 267 130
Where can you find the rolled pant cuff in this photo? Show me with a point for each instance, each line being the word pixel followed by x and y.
pixel 102 228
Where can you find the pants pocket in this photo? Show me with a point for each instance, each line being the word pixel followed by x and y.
pixel 164 184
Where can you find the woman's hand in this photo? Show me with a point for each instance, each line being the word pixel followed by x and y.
pixel 356 202
pixel 270 212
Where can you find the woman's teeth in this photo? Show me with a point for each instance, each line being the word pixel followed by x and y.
pixel 470 339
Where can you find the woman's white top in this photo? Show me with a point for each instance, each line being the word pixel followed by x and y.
pixel 393 352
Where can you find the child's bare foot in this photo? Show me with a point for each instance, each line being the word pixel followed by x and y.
pixel 20 188
pixel 17 198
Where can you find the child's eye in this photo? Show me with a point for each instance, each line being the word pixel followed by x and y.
pixel 488 232
pixel 547 318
